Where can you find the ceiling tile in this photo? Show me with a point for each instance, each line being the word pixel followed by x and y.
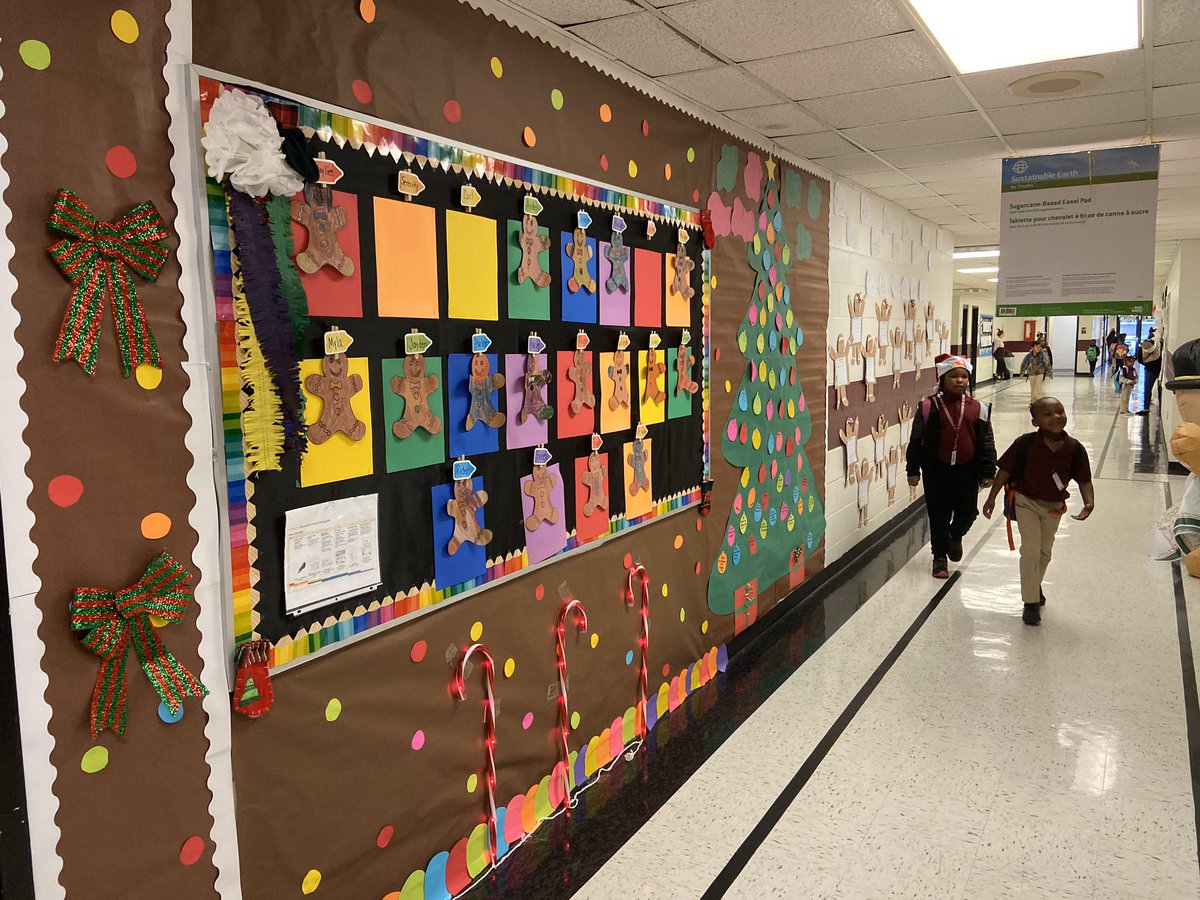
pixel 572 12
pixel 888 178
pixel 955 151
pixel 986 168
pixel 1177 64
pixel 963 185
pixel 731 27
pixel 1175 21
pixel 854 164
pixel 922 132
pixel 1177 100
pixel 815 146
pixel 930 201
pixel 646 43
pixel 860 66
pixel 1122 72
pixel 1187 149
pixel 1178 166
pixel 903 191
pixel 1074 112
pixel 1177 128
pixel 1078 138
pixel 1184 179
pixel 1165 193
pixel 777 119
pixel 894 104
pixel 721 88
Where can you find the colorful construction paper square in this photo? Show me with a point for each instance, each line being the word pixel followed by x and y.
pixel 578 305
pixel 470 560
pixel 571 423
pixel 547 538
pixel 650 411
pixel 588 528
pixel 471 266
pixel 642 502
pixel 647 288
pixel 679 405
pixel 532 431
pixel 339 458
pixel 330 293
pixel 406 260
pixel 679 308
pixel 614 305
pixel 481 438
pixel 613 419
pixel 526 300
pixel 421 448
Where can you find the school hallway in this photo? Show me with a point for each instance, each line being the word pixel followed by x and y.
pixel 901 736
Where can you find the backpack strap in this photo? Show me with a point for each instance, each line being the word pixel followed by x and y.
pixel 985 411
pixel 1023 444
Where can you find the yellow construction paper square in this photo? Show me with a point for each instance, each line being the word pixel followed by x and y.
pixel 339 457
pixel 650 412
pixel 612 419
pixel 643 501
pixel 471 266
pixel 679 308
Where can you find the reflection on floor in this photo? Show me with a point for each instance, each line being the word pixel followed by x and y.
pixel 991 760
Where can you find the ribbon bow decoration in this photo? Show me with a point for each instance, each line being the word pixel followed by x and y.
pixel 95 257
pixel 113 620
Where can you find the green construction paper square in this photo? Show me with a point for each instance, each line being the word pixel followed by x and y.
pixel 420 448
pixel 526 300
pixel 679 407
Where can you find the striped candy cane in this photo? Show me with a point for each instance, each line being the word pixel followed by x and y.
pixel 489 729
pixel 570 604
pixel 644 640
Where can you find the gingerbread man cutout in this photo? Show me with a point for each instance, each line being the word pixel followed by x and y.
pixel 335 388
pixel 595 479
pixel 464 508
pixel 323 220
pixel 684 361
pixel 539 487
pixel 653 392
pixel 580 375
pixel 581 254
pixel 480 384
pixel 682 285
pixel 617 254
pixel 619 373
pixel 535 406
pixel 415 387
pixel 637 462
pixel 532 244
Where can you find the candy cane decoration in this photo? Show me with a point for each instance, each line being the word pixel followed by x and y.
pixel 489 729
pixel 564 721
pixel 643 640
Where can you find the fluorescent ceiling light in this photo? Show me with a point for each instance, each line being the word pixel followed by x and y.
pixel 993 280
pixel 980 35
pixel 975 254
pixel 981 270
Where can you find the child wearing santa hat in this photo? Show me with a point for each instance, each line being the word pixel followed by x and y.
pixel 953 448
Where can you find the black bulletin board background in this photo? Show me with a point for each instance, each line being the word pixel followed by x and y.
pixel 405 505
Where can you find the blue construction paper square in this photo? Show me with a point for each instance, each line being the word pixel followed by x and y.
pixel 481 438
pixel 580 305
pixel 470 561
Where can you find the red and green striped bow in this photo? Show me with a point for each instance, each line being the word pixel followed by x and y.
pixel 96 256
pixel 114 620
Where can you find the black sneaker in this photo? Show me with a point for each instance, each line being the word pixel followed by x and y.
pixel 1041 598
pixel 941 568
pixel 1032 614
pixel 956 550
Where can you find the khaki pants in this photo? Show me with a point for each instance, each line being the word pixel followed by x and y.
pixel 1126 394
pixel 1035 387
pixel 1037 523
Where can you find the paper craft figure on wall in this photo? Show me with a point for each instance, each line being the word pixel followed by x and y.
pixel 580 254
pixel 415 387
pixel 653 392
pixel 930 328
pixel 906 420
pixel 841 370
pixel 879 433
pixel 637 462
pixel 253 693
pixel 618 372
pixel 943 337
pixel 897 361
pixel 481 384
pixel 684 264
pixel 335 386
pixel 867 351
pixel 532 244
pixel 323 220
pixel 580 375
pixel 910 327
pixel 893 472
pixel 536 379
pixel 539 487
pixel 857 305
pixel 684 360
pixel 849 436
pixel 595 479
pixel 919 354
pixel 618 256
pixel 865 474
pixel 464 508
pixel 883 312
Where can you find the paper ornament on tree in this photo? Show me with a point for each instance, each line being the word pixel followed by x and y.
pixel 323 220
pixel 464 508
pixel 335 386
pixel 539 487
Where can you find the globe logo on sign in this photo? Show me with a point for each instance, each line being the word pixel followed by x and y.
pixel 1020 167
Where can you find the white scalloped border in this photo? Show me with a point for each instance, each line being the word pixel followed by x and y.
pixel 23 585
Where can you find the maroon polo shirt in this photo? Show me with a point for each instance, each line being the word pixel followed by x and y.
pixel 1037 481
pixel 949 408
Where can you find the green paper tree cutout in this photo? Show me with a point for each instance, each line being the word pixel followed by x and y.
pixel 777 509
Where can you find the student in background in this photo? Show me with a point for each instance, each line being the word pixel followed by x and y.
pixel 1149 354
pixel 1127 377
pixel 1092 353
pixel 1036 366
pixel 998 354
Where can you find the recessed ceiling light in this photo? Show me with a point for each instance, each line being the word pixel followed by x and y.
pixel 993 280
pixel 976 254
pixel 1055 84
pixel 981 270
pixel 995 34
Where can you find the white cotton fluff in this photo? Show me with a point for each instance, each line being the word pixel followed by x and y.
pixel 241 142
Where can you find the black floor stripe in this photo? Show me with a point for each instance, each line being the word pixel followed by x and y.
pixel 1107 443
pixel 771 817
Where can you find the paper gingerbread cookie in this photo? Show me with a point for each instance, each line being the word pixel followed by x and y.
pixel 580 253
pixel 618 372
pixel 335 387
pixel 595 479
pixel 637 462
pixel 536 379
pixel 539 487
pixel 415 387
pixel 480 384
pixel 323 220
pixel 618 255
pixel 580 375
pixel 464 508
pixel 684 361
pixel 682 285
pixel 653 392
pixel 532 244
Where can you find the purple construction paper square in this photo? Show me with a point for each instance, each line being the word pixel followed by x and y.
pixel 547 539
pixel 532 431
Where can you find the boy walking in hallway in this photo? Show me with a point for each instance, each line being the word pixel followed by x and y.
pixel 1036 469
pixel 1037 366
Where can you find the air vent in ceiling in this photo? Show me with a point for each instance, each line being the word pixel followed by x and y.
pixel 1046 85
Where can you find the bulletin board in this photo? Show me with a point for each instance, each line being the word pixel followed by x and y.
pixel 420 254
